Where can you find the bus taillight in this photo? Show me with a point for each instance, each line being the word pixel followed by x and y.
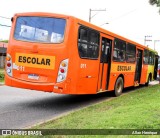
pixel 63 69
pixel 8 58
pixel 9 65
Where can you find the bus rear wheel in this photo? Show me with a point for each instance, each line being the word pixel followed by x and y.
pixel 118 88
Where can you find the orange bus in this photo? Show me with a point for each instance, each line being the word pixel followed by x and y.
pixel 66 55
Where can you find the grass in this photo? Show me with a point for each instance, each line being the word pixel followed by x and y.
pixel 2 75
pixel 137 110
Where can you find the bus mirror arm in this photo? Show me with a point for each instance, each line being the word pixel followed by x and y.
pixel 12 19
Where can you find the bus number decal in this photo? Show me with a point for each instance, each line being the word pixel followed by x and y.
pixel 83 66
pixel 21 68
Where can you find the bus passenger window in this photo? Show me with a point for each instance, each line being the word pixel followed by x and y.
pixel 146 57
pixel 82 50
pixel 83 35
pixel 94 44
pixel 119 50
pixel 151 58
pixel 130 53
pixel 88 43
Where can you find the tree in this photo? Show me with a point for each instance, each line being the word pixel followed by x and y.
pixel 5 41
pixel 155 2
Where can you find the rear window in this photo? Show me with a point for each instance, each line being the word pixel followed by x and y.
pixel 40 29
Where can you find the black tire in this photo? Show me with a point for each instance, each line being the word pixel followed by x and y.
pixel 118 88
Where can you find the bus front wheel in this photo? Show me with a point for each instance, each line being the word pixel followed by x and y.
pixel 118 86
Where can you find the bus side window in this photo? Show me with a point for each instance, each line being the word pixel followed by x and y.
pixel 146 57
pixel 94 45
pixel 119 50
pixel 130 53
pixel 82 42
pixel 88 43
pixel 151 58
pixel 82 49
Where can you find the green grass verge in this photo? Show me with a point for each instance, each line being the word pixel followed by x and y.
pixel 2 75
pixel 137 110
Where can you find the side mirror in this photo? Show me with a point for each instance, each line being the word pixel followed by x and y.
pixel 12 19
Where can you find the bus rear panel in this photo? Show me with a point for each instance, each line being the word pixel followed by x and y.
pixel 37 57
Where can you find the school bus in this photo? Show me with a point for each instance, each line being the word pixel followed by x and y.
pixel 66 55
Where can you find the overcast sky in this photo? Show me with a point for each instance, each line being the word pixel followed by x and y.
pixel 133 19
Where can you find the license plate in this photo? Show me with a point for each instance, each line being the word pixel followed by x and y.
pixel 33 76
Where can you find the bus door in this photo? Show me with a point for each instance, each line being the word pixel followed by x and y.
pixel 155 67
pixel 138 66
pixel 105 63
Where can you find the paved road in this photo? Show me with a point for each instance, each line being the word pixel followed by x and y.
pixel 20 108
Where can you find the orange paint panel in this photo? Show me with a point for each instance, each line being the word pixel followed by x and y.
pixel 125 69
pixel 100 77
pixel 144 74
pixel 87 86
pixel 128 79
pixel 104 80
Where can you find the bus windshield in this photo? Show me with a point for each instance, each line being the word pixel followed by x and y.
pixel 40 29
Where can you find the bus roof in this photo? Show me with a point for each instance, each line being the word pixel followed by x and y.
pixel 82 22
pixel 42 14
pixel 108 32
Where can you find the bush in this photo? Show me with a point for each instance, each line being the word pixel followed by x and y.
pixel 1 77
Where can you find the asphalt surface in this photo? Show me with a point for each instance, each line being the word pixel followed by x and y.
pixel 21 108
